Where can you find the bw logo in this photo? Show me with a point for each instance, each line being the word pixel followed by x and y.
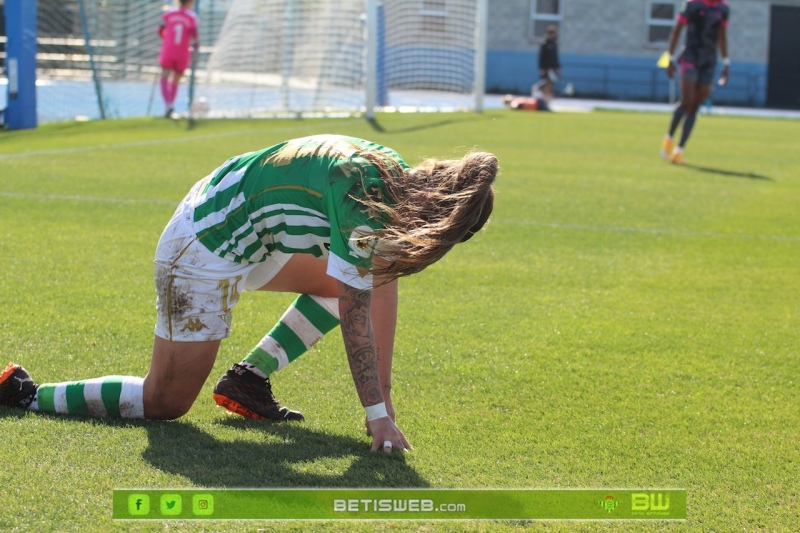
pixel 194 325
pixel 654 501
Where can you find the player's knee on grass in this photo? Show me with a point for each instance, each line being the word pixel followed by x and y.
pixel 161 404
pixel 161 410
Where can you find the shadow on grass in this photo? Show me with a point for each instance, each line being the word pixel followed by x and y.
pixel 732 173
pixel 375 125
pixel 288 457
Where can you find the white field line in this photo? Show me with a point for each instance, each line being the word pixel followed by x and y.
pixel 553 225
pixel 78 198
pixel 152 142
pixel 652 231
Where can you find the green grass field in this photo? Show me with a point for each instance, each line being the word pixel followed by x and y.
pixel 621 323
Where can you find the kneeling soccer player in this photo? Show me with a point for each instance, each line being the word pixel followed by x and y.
pixel 333 218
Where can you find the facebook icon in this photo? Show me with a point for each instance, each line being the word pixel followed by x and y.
pixel 138 504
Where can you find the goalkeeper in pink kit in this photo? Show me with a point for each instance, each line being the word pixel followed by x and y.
pixel 178 30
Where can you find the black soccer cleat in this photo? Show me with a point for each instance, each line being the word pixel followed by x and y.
pixel 242 392
pixel 17 388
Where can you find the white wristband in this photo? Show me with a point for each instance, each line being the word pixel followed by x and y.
pixel 673 59
pixel 726 61
pixel 376 411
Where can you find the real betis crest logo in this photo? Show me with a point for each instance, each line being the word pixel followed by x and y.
pixel 609 503
pixel 362 241
pixel 226 317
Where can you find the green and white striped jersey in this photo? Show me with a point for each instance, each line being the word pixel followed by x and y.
pixel 297 198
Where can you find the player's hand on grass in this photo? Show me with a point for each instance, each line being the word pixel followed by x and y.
pixel 386 436
pixel 387 399
pixel 391 415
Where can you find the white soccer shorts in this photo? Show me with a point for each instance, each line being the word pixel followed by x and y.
pixel 196 289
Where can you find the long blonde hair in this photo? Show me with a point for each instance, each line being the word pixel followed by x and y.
pixel 435 205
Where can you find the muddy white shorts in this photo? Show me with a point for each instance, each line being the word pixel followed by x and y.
pixel 196 289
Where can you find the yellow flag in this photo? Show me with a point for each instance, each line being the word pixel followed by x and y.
pixel 663 61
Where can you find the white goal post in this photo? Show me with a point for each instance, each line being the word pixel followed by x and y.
pixel 307 57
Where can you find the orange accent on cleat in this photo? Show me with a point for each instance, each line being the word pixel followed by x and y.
pixel 242 392
pixel 19 393
pixel 10 369
pixel 236 408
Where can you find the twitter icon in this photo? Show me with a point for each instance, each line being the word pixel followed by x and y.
pixel 171 504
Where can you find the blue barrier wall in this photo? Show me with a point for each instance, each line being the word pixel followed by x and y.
pixel 617 78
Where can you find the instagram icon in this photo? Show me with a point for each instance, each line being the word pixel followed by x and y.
pixel 203 504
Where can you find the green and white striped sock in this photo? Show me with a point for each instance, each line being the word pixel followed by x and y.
pixel 306 321
pixel 110 396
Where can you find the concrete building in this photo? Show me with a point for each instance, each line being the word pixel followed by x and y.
pixel 609 48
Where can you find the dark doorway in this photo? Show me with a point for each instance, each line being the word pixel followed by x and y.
pixel 783 77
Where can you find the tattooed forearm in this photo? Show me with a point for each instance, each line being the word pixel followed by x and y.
pixel 359 342
pixel 365 375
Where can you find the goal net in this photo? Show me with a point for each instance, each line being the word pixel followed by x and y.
pixel 96 59
pixel 99 58
pixel 276 57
